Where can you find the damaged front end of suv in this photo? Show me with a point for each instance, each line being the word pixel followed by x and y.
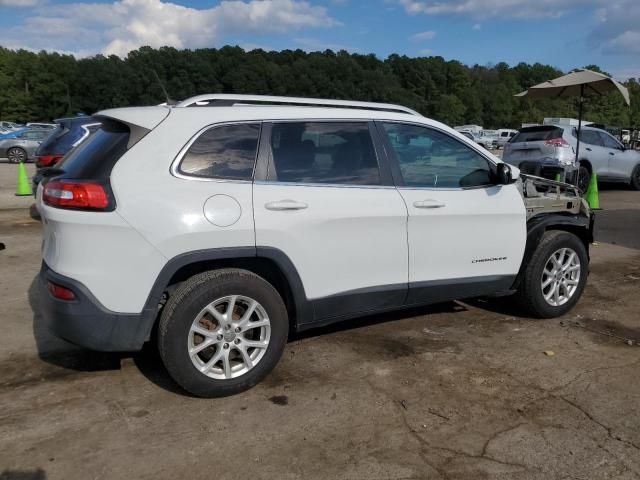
pixel 542 196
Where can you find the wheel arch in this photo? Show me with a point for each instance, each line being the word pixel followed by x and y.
pixel 586 164
pixel 269 263
pixel 579 225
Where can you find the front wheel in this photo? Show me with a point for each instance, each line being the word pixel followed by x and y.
pixel 222 332
pixel 555 276
pixel 16 155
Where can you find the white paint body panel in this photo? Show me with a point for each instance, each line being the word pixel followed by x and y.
pixel 473 224
pixel 103 252
pixel 347 238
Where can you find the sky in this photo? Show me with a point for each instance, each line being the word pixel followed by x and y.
pixel 566 34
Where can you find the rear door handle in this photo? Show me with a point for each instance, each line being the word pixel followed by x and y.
pixel 588 149
pixel 611 153
pixel 284 205
pixel 429 203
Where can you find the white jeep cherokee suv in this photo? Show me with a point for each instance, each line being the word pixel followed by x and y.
pixel 216 226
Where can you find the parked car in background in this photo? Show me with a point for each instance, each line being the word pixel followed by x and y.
pixel 504 136
pixel 486 142
pixel 41 125
pixel 22 148
pixel 490 138
pixel 215 231
pixel 10 125
pixel 69 133
pixel 553 148
pixel 13 133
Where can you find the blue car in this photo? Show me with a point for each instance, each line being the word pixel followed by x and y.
pixel 12 133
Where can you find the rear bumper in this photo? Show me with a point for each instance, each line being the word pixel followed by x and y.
pixel 87 323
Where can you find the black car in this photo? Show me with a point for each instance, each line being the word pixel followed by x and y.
pixel 69 133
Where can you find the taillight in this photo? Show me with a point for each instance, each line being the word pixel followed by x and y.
pixel 60 292
pixel 75 194
pixel 557 142
pixel 48 160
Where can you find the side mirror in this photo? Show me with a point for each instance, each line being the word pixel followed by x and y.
pixel 503 174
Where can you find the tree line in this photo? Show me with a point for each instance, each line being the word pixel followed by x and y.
pixel 46 85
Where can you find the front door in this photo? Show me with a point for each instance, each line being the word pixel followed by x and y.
pixel 466 234
pixel 327 205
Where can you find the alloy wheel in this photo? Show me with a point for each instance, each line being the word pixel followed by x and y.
pixel 16 155
pixel 560 277
pixel 229 337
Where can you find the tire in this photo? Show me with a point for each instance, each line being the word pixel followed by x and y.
pixel 187 304
pixel 635 178
pixel 531 293
pixel 16 155
pixel 584 177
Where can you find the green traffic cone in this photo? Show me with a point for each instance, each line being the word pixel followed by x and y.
pixel 592 193
pixel 24 186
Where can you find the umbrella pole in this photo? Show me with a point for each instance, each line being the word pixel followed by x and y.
pixel 579 122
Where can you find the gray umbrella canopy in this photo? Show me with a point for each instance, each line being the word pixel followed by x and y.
pixel 576 84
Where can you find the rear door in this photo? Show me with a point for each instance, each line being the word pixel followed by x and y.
pixel 592 148
pixel 466 234
pixel 330 206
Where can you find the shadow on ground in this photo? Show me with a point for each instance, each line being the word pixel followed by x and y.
pixel 58 353
pixel 38 474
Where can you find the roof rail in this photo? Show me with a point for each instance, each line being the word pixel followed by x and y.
pixel 222 99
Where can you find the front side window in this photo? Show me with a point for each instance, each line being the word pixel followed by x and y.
pixel 430 158
pixel 224 152
pixel 323 152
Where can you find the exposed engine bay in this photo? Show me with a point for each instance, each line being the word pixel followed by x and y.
pixel 548 196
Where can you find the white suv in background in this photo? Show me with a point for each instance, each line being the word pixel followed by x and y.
pixel 227 221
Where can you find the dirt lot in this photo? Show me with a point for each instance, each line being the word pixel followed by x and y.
pixel 456 391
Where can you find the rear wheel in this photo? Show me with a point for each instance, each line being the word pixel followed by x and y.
pixel 555 276
pixel 222 332
pixel 584 177
pixel 16 155
pixel 635 178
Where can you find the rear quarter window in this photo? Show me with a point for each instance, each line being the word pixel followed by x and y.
pixel 223 152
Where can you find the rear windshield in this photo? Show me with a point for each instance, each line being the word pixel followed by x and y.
pixel 537 134
pixel 63 138
pixel 96 156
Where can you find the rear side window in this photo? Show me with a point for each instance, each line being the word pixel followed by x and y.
pixel 223 152
pixel 94 159
pixel 537 134
pixel 589 136
pixel 324 153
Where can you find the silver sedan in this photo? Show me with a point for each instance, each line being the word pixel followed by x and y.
pixel 23 146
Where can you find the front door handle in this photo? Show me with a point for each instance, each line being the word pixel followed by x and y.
pixel 588 149
pixel 284 205
pixel 611 153
pixel 429 203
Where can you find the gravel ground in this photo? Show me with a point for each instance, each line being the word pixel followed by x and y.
pixel 461 390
